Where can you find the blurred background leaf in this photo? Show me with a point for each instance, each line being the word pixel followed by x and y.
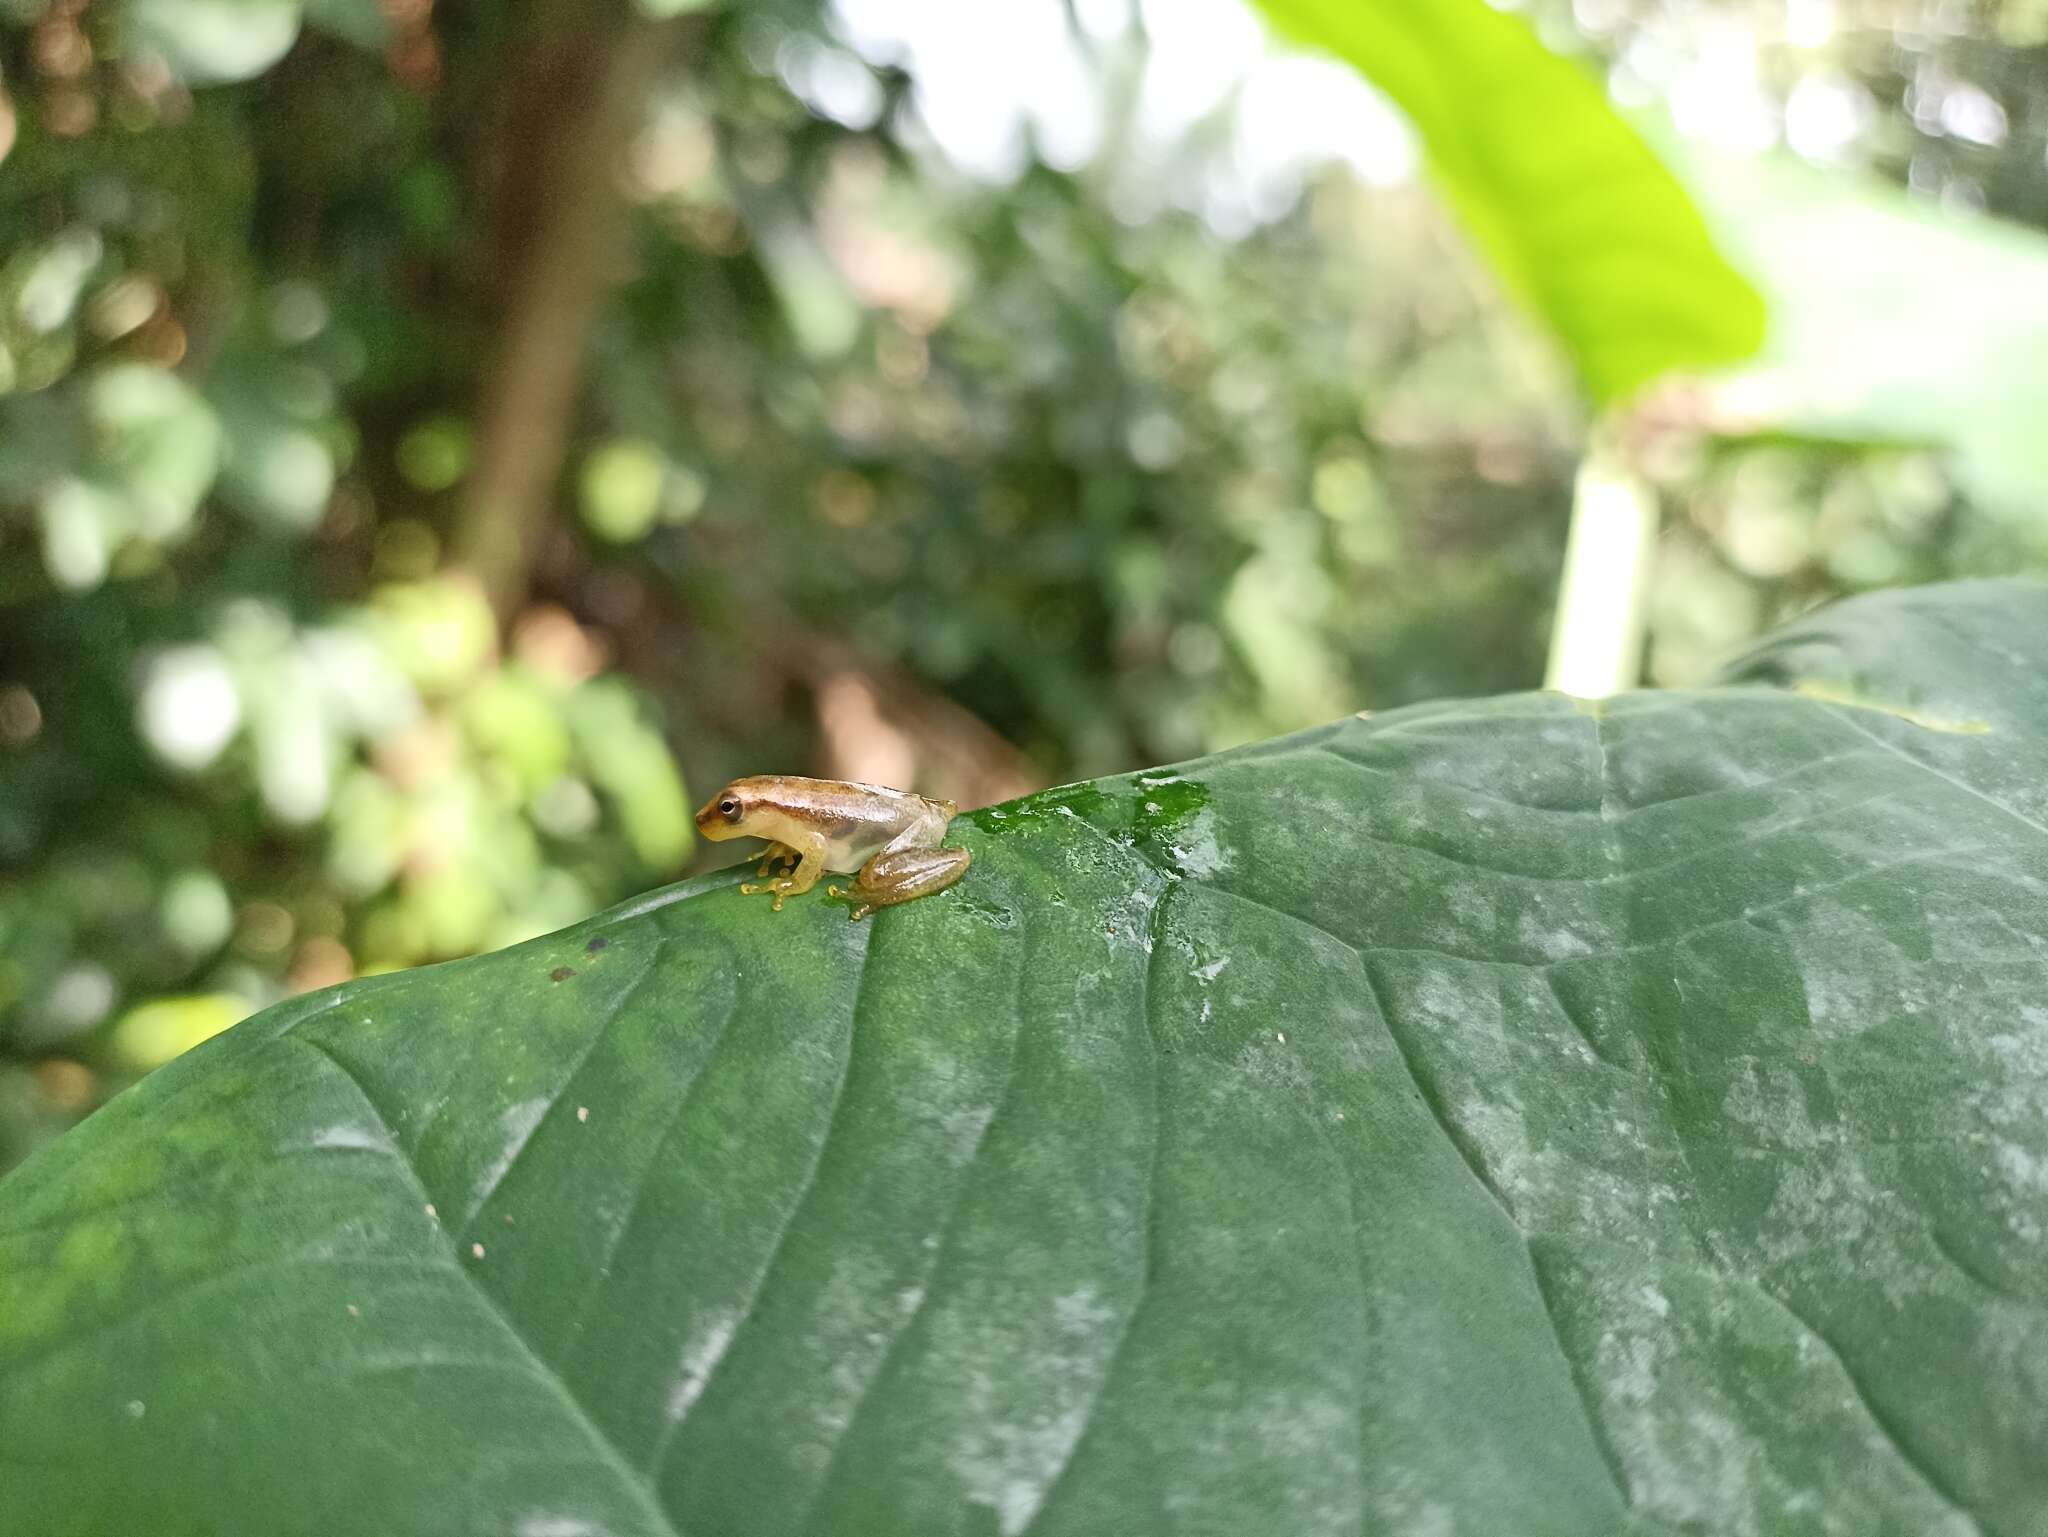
pixel 1893 321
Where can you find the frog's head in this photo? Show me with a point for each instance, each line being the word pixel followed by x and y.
pixel 727 813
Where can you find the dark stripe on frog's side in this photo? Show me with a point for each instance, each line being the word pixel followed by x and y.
pixel 826 812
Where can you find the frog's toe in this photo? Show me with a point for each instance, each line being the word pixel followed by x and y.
pixel 857 904
pixel 781 888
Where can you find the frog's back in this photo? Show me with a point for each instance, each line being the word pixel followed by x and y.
pixel 848 814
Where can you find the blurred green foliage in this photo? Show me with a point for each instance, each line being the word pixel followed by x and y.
pixel 1882 172
pixel 872 464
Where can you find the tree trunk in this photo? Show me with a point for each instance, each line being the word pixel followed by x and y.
pixel 570 107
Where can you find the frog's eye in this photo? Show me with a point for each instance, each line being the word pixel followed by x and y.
pixel 729 809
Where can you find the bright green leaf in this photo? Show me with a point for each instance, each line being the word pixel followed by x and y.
pixel 1504 1116
pixel 1578 216
pixel 620 488
pixel 156 440
pixel 157 1031
pixel 279 471
pixel 517 721
pixel 435 454
pixel 440 632
pixel 277 419
pixel 627 758
pixel 151 447
pixel 197 913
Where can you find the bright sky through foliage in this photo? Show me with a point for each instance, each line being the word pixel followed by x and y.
pixel 988 77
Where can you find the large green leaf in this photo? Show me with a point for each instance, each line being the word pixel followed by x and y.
pixel 1891 318
pixel 1578 216
pixel 1510 1116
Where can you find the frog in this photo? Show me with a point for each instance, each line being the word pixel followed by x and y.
pixel 891 841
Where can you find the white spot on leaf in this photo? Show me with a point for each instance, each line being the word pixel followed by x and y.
pixel 701 1353
pixel 349 1136
pixel 517 1123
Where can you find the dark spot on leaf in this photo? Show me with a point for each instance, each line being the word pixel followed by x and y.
pixel 562 973
pixel 597 944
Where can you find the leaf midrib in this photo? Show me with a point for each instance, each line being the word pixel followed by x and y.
pixel 630 1479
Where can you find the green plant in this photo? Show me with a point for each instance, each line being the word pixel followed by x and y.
pixel 1576 215
pixel 1505 1115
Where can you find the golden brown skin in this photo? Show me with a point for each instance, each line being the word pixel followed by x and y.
pixel 893 839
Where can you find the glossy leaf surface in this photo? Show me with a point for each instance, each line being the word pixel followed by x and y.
pixel 1494 1116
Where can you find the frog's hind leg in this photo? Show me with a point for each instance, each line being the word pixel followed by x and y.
pixel 900 875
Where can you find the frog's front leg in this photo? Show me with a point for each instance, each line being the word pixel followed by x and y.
pixel 900 875
pixel 796 884
pixel 773 855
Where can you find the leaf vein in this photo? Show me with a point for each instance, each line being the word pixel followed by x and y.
pixel 929 1279
pixel 654 1159
pixel 1964 785
pixel 558 1096
pixel 1880 1419
pixel 1425 1088
pixel 706 1371
pixel 1147 1239
pixel 636 1486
